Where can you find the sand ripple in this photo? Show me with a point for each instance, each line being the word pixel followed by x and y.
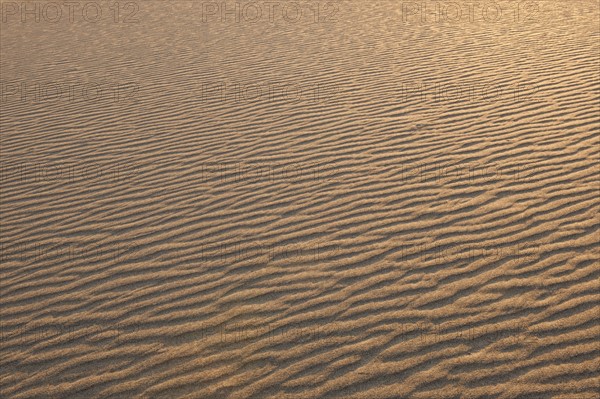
pixel 370 206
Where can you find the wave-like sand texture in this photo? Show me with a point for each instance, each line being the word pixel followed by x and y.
pixel 377 237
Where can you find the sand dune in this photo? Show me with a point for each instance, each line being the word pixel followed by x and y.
pixel 370 200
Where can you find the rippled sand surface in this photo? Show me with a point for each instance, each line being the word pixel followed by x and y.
pixel 367 201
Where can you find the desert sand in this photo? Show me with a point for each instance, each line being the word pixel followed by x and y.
pixel 347 199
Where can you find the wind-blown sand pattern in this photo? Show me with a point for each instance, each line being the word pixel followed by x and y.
pixel 420 221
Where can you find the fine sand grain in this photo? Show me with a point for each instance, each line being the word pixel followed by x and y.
pixel 365 201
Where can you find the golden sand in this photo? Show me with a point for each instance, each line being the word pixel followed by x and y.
pixel 365 200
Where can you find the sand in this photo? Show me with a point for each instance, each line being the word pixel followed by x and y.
pixel 367 201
